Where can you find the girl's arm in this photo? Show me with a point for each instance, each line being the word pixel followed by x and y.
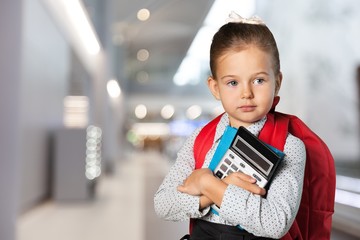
pixel 271 216
pixel 174 205
pixel 240 201
pixel 211 189
pixel 169 203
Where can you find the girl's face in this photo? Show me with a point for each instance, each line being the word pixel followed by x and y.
pixel 246 85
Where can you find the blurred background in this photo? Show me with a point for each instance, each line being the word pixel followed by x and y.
pixel 97 96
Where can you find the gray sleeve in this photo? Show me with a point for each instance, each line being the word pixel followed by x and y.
pixel 168 202
pixel 271 216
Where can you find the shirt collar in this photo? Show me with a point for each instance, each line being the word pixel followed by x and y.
pixel 254 128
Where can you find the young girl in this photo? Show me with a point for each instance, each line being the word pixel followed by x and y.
pixel 246 77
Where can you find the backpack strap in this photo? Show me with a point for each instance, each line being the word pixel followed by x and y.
pixel 275 130
pixel 204 141
pixel 276 127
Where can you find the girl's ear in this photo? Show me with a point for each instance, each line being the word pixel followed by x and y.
pixel 278 83
pixel 214 88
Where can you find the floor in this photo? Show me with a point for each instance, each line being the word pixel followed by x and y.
pixel 122 209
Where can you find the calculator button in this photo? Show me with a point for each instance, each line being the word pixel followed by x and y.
pixel 232 156
pixel 227 161
pixel 234 167
pixel 223 167
pixel 229 172
pixel 219 174
pixel 242 165
pixel 256 177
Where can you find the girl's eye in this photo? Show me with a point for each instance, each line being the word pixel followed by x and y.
pixel 233 83
pixel 258 81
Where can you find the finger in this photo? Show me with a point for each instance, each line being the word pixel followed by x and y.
pixel 181 188
pixel 262 192
pixel 257 190
pixel 245 177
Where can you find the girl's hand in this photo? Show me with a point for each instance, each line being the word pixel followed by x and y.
pixel 245 182
pixel 194 183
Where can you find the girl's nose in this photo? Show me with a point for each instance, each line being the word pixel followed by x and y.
pixel 247 92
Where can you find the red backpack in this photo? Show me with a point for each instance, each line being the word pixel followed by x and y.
pixel 314 217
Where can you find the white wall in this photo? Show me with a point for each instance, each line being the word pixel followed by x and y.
pixel 34 77
pixel 10 49
pixel 45 73
pixel 318 43
pixel 48 42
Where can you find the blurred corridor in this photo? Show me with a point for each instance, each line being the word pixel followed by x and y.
pixel 97 96
pixel 122 209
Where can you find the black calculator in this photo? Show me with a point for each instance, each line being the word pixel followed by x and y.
pixel 251 156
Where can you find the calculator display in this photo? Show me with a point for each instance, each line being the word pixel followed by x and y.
pixel 252 155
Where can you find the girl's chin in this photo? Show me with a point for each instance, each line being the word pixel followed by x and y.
pixel 237 122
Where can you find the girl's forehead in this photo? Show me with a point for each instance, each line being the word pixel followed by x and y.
pixel 242 47
pixel 250 50
pixel 244 61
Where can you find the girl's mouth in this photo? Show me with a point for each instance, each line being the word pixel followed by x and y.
pixel 248 108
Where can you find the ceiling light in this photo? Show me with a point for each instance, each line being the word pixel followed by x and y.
pixel 113 88
pixel 151 129
pixel 167 111
pixel 82 24
pixel 143 14
pixel 193 112
pixel 142 77
pixel 140 111
pixel 76 111
pixel 188 72
pixel 143 55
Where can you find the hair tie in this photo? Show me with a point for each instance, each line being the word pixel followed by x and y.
pixel 236 18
